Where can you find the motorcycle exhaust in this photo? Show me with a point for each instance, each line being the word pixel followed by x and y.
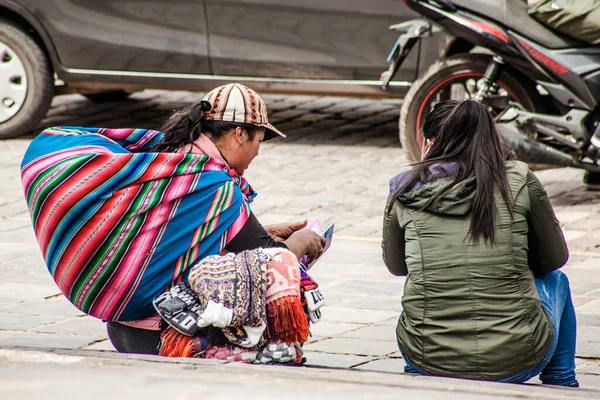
pixel 532 151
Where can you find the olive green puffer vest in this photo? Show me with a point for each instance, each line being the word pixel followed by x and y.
pixel 471 310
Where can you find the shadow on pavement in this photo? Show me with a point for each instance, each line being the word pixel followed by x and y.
pixel 313 120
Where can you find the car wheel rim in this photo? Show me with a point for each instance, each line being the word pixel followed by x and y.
pixel 13 83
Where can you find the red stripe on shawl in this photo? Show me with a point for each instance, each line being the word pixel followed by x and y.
pixel 125 280
pixel 160 168
pixel 83 245
pixel 122 305
pixel 56 205
pixel 31 171
pixel 89 238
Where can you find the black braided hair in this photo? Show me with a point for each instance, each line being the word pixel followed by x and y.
pixel 185 126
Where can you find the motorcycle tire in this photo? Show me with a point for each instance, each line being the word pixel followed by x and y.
pixel 443 72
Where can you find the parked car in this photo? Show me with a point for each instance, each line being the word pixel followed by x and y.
pixel 108 49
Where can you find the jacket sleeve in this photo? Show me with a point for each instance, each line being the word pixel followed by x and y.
pixel 393 244
pixel 252 236
pixel 547 247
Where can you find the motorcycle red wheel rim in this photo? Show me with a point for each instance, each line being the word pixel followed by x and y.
pixel 442 83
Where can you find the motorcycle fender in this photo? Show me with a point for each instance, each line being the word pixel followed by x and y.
pixel 411 32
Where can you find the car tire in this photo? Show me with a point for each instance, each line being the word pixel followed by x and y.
pixel 26 78
pixel 417 98
pixel 107 97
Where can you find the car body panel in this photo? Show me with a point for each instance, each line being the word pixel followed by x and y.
pixel 285 46
pixel 141 35
pixel 333 39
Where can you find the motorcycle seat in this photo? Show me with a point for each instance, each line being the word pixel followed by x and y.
pixel 514 16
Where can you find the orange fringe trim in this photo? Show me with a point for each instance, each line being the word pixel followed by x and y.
pixel 287 320
pixel 175 344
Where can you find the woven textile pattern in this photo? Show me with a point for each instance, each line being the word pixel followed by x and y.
pixel 117 224
pixel 283 277
pixel 238 283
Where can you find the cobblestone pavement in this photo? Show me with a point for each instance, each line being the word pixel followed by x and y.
pixel 335 165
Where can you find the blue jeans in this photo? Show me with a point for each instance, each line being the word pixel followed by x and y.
pixel 558 366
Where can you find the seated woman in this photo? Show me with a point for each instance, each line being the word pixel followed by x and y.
pixel 480 246
pixel 121 215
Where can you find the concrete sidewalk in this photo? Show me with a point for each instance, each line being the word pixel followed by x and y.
pixel 346 182
pixel 66 375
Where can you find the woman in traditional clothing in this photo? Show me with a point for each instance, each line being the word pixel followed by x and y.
pixel 121 215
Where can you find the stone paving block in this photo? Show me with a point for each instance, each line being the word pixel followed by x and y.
pixel 582 300
pixel 589 366
pixel 332 298
pixel 7 225
pixel 325 328
pixel 33 277
pixel 588 281
pixel 348 106
pixel 279 116
pixel 312 117
pixel 22 291
pixel 352 315
pixel 328 360
pixel 589 381
pixel 321 104
pixel 592 369
pixel 361 347
pixel 594 293
pixel 390 322
pixel 395 354
pixel 22 236
pixel 48 341
pixel 563 188
pixel 572 235
pixel 377 303
pixel 588 341
pixel 587 319
pixel 20 322
pixel 335 273
pixel 103 345
pixel 580 288
pixel 7 333
pixel 374 332
pixel 55 306
pixel 316 338
pixel 366 287
pixel 384 365
pixel 592 307
pixel 78 326
pixel 571 216
pixel 12 209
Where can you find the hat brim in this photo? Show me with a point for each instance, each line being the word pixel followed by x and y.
pixel 271 132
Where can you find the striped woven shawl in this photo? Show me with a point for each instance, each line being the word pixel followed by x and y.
pixel 117 224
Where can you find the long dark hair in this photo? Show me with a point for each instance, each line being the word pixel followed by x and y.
pixel 185 126
pixel 466 134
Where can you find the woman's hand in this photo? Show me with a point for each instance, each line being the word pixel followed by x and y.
pixel 305 242
pixel 281 232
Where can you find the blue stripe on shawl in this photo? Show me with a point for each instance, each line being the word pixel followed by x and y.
pixel 195 205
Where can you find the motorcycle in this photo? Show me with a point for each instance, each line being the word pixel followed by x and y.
pixel 542 87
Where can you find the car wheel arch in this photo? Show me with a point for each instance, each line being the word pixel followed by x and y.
pixel 31 25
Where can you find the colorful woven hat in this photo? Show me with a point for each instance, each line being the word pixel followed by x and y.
pixel 238 103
